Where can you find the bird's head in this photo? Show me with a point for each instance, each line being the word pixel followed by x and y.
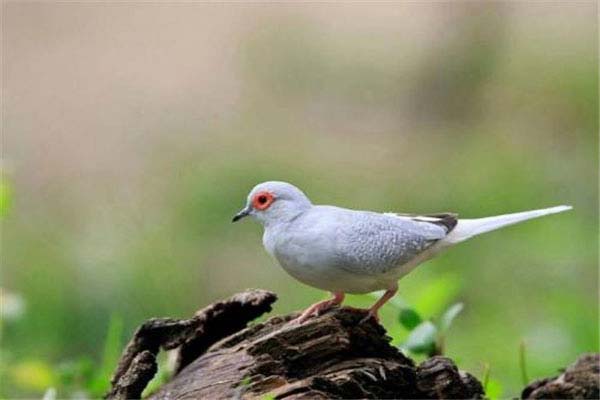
pixel 273 202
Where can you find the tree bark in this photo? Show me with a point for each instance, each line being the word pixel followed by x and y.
pixel 329 356
pixel 581 380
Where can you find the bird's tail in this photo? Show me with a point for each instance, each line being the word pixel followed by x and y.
pixel 467 228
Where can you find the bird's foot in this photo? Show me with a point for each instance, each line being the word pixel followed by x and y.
pixel 374 310
pixel 315 309
pixel 370 314
pixel 320 307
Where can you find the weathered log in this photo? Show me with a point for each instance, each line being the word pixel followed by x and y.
pixel 581 380
pixel 191 336
pixel 439 378
pixel 329 356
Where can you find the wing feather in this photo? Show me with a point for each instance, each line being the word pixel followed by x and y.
pixel 372 243
pixel 447 219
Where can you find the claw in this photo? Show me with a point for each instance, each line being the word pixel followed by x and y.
pixel 303 317
pixel 373 311
pixel 370 315
pixel 319 307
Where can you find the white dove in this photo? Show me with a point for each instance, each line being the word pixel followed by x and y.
pixel 349 251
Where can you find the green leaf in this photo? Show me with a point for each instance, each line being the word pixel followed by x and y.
pixel 33 374
pixel 5 195
pixel 162 376
pixel 422 339
pixel 494 390
pixel 246 381
pixel 409 318
pixel 110 357
pixel 437 294
pixel 523 364
pixel 70 373
pixel 486 377
pixel 50 394
pixel 449 315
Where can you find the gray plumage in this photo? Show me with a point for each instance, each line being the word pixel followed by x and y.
pixel 351 251
pixel 339 249
pixel 365 242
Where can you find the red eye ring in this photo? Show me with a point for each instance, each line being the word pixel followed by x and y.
pixel 262 200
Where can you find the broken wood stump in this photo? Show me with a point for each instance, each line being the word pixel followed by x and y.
pixel 581 380
pixel 218 356
pixel 329 356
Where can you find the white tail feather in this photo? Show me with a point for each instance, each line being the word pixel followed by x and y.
pixel 467 228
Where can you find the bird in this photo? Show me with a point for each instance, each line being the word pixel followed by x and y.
pixel 345 251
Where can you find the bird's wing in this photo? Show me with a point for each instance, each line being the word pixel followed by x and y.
pixel 372 243
pixel 446 219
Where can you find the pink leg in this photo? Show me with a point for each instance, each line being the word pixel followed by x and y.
pixel 321 306
pixel 374 310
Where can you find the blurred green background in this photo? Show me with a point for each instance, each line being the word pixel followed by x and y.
pixel 133 132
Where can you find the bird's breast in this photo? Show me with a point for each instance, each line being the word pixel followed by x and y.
pixel 313 262
pixel 270 241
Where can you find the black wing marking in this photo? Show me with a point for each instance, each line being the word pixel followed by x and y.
pixel 447 220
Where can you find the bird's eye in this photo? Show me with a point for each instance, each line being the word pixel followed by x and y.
pixel 262 200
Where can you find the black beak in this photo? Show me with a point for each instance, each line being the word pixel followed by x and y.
pixel 241 214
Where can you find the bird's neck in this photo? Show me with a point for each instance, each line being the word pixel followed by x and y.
pixel 286 217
